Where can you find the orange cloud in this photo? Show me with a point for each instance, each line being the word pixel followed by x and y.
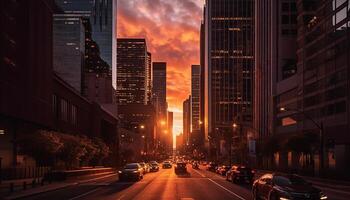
pixel 171 29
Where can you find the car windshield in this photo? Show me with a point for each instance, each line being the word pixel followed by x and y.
pixel 131 166
pixel 288 180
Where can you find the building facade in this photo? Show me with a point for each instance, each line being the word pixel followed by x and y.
pixel 69 49
pixel 102 15
pixel 186 107
pixel 132 71
pixel 229 66
pixel 159 89
pixel 196 123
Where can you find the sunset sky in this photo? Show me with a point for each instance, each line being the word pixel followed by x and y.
pixel 171 29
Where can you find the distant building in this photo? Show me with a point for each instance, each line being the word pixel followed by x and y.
pixel 229 67
pixel 169 134
pixel 69 49
pixel 149 78
pixel 179 142
pixel 132 65
pixel 159 88
pixel 186 120
pixel 196 123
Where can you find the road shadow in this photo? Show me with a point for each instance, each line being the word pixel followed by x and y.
pixel 183 175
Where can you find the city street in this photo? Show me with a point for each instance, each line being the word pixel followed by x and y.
pixel 165 184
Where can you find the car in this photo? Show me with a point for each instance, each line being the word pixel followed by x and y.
pixel 180 168
pixel 240 173
pixel 285 186
pixel 132 171
pixel 223 169
pixel 144 167
pixel 195 165
pixel 154 166
pixel 212 166
pixel 166 165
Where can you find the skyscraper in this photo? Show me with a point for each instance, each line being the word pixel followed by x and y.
pixel 149 78
pixel 169 135
pixel 69 49
pixel 132 71
pixel 102 15
pixel 229 60
pixel 186 120
pixel 195 104
pixel 159 89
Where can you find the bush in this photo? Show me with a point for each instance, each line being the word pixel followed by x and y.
pixel 46 146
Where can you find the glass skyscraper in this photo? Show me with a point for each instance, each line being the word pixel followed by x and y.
pixel 102 15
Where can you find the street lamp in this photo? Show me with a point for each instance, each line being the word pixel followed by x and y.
pixel 200 122
pixel 142 126
pixel 321 133
pixel 162 122
pixel 234 125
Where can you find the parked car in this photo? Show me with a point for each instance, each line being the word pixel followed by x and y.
pixel 239 173
pixel 166 165
pixel 285 186
pixel 223 169
pixel 131 171
pixel 195 165
pixel 144 167
pixel 180 168
pixel 154 166
pixel 212 166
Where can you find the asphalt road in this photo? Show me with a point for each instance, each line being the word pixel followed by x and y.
pixel 162 185
pixel 165 184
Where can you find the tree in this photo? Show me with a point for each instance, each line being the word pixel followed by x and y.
pixel 72 150
pixel 43 146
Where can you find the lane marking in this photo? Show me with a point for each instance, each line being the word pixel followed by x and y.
pixel 94 179
pixel 199 173
pixel 227 190
pixel 84 194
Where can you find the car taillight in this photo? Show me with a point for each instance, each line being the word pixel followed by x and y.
pixel 238 172
pixel 253 172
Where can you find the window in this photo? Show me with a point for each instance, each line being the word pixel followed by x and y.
pixel 293 7
pixel 285 19
pixel 64 110
pixel 74 115
pixel 285 7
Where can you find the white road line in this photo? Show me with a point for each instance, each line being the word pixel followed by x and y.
pixel 199 173
pixel 227 190
pixel 82 195
pixel 98 178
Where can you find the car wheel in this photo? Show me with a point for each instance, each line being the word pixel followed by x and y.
pixel 255 195
pixel 273 196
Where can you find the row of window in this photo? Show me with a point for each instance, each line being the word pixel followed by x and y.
pixel 64 111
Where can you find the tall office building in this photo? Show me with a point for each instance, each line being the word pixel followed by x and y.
pixel 132 71
pixel 196 123
pixel 229 66
pixel 169 136
pixel 69 49
pixel 159 89
pixel 186 120
pixel 202 84
pixel 275 63
pixel 149 78
pixel 102 15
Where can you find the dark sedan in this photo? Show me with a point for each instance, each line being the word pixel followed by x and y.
pixel 154 166
pixel 180 168
pixel 285 186
pixel 240 174
pixel 166 165
pixel 132 171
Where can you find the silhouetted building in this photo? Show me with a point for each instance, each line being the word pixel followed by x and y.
pixel 169 133
pixel 69 49
pixel 229 67
pixel 196 123
pixel 186 121
pixel 149 78
pixel 159 88
pixel 132 70
pixel 202 84
pixel 102 15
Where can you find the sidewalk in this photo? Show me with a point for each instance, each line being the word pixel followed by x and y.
pixel 19 192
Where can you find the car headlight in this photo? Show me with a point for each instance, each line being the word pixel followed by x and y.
pixel 284 198
pixel 135 172
pixel 120 172
pixel 323 196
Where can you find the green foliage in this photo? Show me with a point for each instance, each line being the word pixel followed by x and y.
pixel 47 146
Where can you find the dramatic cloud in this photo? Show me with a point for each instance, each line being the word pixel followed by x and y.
pixel 171 28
